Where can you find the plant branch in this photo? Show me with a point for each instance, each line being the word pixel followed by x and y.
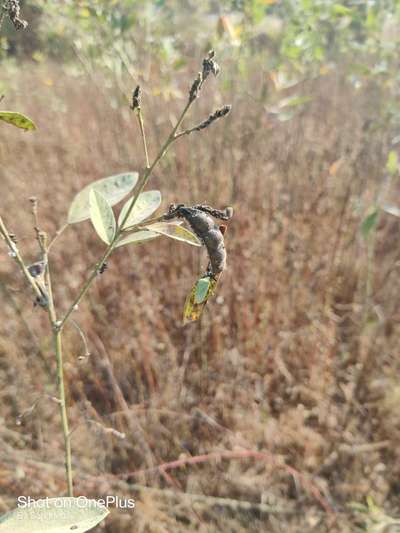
pixel 56 236
pixel 60 376
pixel 139 188
pixel 143 135
pixel 14 252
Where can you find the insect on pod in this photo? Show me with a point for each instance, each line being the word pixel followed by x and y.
pixel 212 236
pixel 206 230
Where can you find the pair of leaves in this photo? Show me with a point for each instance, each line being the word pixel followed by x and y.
pixel 17 119
pixel 54 515
pixel 95 201
pixel 113 189
pixel 102 215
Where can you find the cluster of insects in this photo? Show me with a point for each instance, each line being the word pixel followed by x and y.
pixel 199 217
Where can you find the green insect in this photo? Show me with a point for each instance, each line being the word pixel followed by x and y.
pixel 198 297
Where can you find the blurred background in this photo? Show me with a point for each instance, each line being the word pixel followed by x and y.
pixel 281 404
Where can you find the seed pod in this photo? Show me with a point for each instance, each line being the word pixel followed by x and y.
pixel 214 242
pixel 208 232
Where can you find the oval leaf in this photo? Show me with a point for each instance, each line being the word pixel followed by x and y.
pixel 145 205
pixel 138 237
pixel 392 210
pixel 17 119
pixel 369 223
pixel 392 163
pixel 102 216
pixel 54 515
pixel 174 230
pixel 113 188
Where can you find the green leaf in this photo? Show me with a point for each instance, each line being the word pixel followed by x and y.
pixel 17 119
pixel 174 230
pixel 113 188
pixel 54 515
pixel 340 9
pixel 392 210
pixel 392 163
pixel 369 223
pixel 138 237
pixel 102 216
pixel 145 205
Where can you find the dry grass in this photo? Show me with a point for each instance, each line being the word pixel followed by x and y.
pixel 271 368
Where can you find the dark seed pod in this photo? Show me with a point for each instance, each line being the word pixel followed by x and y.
pixel 206 230
pixel 136 98
pixel 214 242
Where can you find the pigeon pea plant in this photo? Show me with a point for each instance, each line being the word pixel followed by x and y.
pixel 134 225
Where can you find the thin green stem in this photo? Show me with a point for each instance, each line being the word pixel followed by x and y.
pixel 139 188
pixel 57 340
pixel 56 236
pixel 147 173
pixel 143 135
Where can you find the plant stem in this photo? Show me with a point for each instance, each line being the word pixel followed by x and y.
pixel 138 189
pixel 147 173
pixel 57 339
pixel 143 135
pixel 56 236
pixel 56 335
pixel 17 256
pixel 63 411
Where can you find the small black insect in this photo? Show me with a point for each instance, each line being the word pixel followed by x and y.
pixel 103 267
pixel 206 230
pixel 13 237
pixel 36 269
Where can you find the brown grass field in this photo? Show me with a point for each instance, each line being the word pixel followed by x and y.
pixel 278 409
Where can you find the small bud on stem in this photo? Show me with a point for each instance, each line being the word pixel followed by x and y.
pixel 136 98
pixel 209 65
pixel 195 88
pixel 219 113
